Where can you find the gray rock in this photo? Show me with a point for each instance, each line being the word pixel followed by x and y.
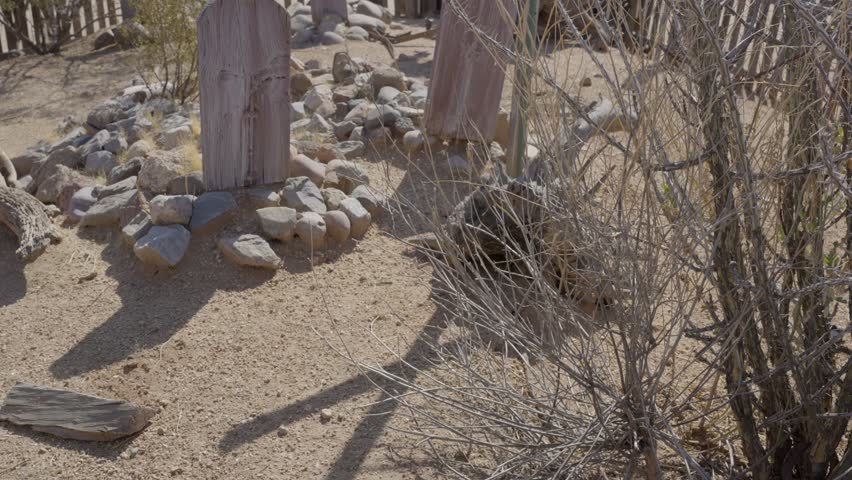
pixel 74 138
pixel 61 181
pixel 122 172
pixel 311 230
pixel 106 113
pixel 95 144
pixel 413 141
pixel 375 203
pixel 315 124
pixel 302 166
pixel 358 113
pixel 125 185
pixel 379 137
pixel 386 77
pixel 303 195
pixel 337 225
pixel 357 33
pixel 176 137
pixel 264 197
pixel 331 38
pixel 211 210
pixel 366 21
pixel 100 162
pixel 346 93
pixel 189 184
pixel 329 23
pixel 301 23
pixel 343 129
pixel 402 126
pixel 160 169
pixel 171 209
pixel 297 111
pixel 357 135
pixel 345 175
pixel 371 9
pixel 359 217
pixel 316 96
pixel 24 163
pixel 108 210
pixel 116 143
pixel 68 156
pixel 163 247
pixel 381 116
pixel 25 182
pixel 333 197
pixel 278 222
pixel 389 94
pixel 351 149
pixel 300 83
pixel 342 68
pixel 136 228
pixel 81 202
pixel 140 148
pixel 249 251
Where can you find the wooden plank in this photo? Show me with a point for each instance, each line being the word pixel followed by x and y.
pixel 112 18
pixel 4 45
pixel 244 62
pixel 101 15
pixel 88 16
pixel 73 415
pixel 467 79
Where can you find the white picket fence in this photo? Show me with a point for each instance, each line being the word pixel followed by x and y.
pixel 94 16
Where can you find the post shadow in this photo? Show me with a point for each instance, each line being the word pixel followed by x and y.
pixel 13 283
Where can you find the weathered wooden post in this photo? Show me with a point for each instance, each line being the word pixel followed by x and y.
pixel 526 52
pixel 244 66
pixel 467 77
pixel 320 8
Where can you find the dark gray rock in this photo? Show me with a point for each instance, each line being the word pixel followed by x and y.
pixel 122 172
pixel 108 210
pixel 303 195
pixel 249 251
pixel 125 185
pixel 137 228
pixel 278 222
pixel 171 209
pixel 190 184
pixel 211 211
pixel 163 247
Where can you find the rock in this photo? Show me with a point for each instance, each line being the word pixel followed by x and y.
pixel 381 116
pixel 67 156
pixel 358 113
pixel 25 182
pixel 413 141
pixel 346 93
pixel 95 144
pixel 386 77
pixel 318 95
pixel 366 22
pixel 119 187
pixel 129 169
pixel 343 129
pixel 458 164
pixel 263 197
pixel 337 225
pixel 303 37
pixel 210 211
pixel 345 175
pixel 315 124
pixel 351 149
pixel 402 126
pixel 341 109
pixel 357 135
pixel 300 83
pixel 189 184
pixel 326 415
pixel 278 222
pixel 297 111
pixel 101 162
pixel 163 247
pixel 303 195
pixel 249 251
pixel 586 82
pixel 130 34
pixel 311 230
pixel 136 228
pixel 375 203
pixel 52 187
pixel 342 68
pixel 176 137
pixel 108 210
pixel 376 11
pixel 24 163
pixel 331 38
pixel 171 209
pixel 160 169
pixel 391 95
pixel 379 137
pixel 359 217
pixel 116 143
pixel 80 202
pixel 333 197
pixel 357 34
pixel 326 152
pixel 105 39
pixel 106 113
pixel 302 166
pixel 74 138
pixel 140 148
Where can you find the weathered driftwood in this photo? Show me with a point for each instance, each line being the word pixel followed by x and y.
pixel 8 175
pixel 28 220
pixel 468 76
pixel 320 8
pixel 244 63
pixel 73 415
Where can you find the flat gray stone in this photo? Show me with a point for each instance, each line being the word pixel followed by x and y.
pixel 278 222
pixel 119 187
pixel 137 228
pixel 303 195
pixel 359 217
pixel 163 246
pixel 171 209
pixel 212 210
pixel 375 203
pixel 129 169
pixel 249 251
pixel 81 202
pixel 264 197
pixel 352 149
pixel 108 210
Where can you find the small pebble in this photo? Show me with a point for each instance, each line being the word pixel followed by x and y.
pixel 326 415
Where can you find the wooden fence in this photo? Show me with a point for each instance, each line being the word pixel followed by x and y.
pixel 93 17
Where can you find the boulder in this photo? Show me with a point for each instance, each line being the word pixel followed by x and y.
pixel 116 143
pixel 297 111
pixel 359 217
pixel 106 113
pixel 331 38
pixel 379 137
pixel 303 195
pixel 311 230
pixel 402 126
pixel 129 169
pixel 189 184
pixel 376 11
pixel 337 225
pixel 346 93
pixel 316 96
pixel 357 34
pixel 386 77
pixel 381 116
pixel 389 94
pixel 52 187
pixel 118 187
pixel 108 210
pixel 95 144
pixel 81 202
pixel 171 209
pixel 249 251
pixel 343 129
pixel 101 162
pixel 302 166
pixel 375 203
pixel 163 247
pixel 351 149
pixel 24 163
pixel 345 175
pixel 358 113
pixel 263 197
pixel 211 210
pixel 333 197
pixel 278 222
pixel 161 167
pixel 136 228
pixel 176 137
pixel 366 22
pixel 67 156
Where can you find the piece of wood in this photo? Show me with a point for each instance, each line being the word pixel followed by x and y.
pixel 26 217
pixel 73 415
pixel 320 8
pixel 468 75
pixel 244 64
